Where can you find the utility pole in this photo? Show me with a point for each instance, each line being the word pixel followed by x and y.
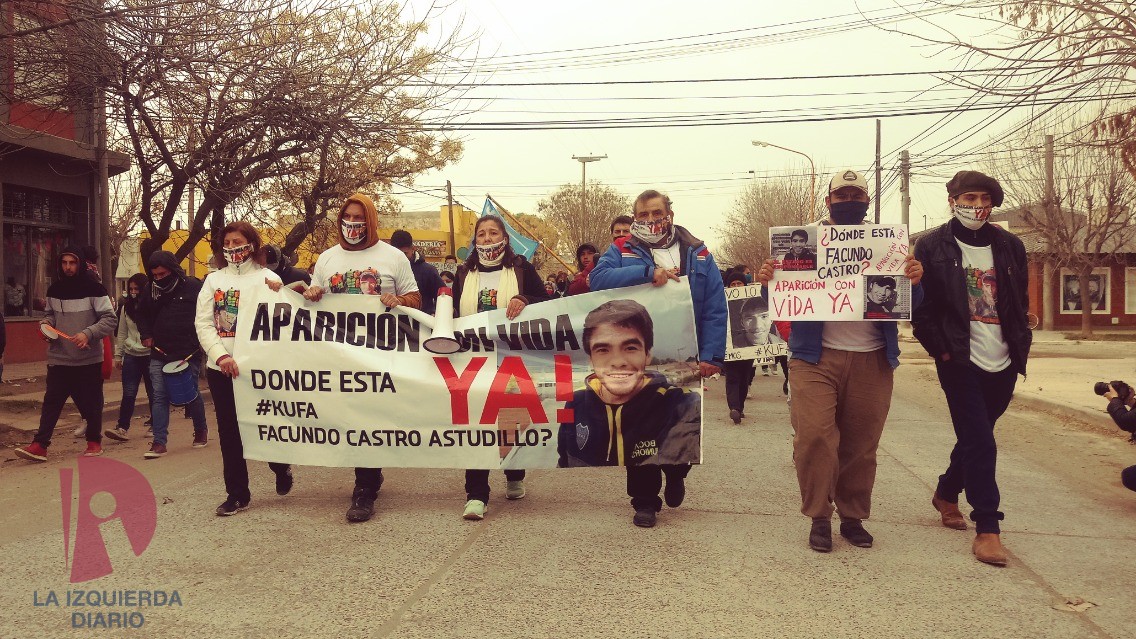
pixel 904 186
pixel 583 160
pixel 879 169
pixel 450 208
pixel 1048 308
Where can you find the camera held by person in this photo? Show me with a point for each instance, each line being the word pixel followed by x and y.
pixel 1121 403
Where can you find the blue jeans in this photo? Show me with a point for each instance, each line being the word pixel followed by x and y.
pixel 160 406
pixel 976 399
pixel 135 368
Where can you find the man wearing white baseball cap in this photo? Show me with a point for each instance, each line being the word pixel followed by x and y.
pixel 840 379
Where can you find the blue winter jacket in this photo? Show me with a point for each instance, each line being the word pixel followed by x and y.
pixel 805 339
pixel 628 263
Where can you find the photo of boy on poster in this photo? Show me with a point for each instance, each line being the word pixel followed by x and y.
pixel 880 297
pixel 801 255
pixel 1071 297
pixel 627 415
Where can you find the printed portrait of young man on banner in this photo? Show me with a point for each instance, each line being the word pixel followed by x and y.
pixel 748 335
pixel 604 378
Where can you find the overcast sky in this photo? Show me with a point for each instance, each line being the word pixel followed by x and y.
pixel 704 168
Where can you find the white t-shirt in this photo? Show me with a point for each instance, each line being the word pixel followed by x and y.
pixel 854 337
pixel 490 281
pixel 988 349
pixel 218 305
pixel 372 271
pixel 668 258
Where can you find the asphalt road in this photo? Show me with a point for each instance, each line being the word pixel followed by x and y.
pixel 567 562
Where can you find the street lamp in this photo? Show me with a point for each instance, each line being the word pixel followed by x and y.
pixel 811 165
pixel 583 160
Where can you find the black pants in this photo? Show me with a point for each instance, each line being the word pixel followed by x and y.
pixel 1128 477
pixel 644 483
pixel 477 482
pixel 976 400
pixel 739 374
pixel 232 449
pixel 370 480
pixel 84 384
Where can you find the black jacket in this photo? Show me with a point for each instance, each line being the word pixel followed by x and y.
pixel 291 275
pixel 169 320
pixel 942 322
pixel 428 282
pixel 528 281
pixel 661 424
pixel 1124 417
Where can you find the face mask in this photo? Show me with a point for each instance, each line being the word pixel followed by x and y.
pixel 237 254
pixel 654 233
pixel 353 232
pixel 848 213
pixel 972 217
pixel 749 278
pixel 491 254
pixel 133 295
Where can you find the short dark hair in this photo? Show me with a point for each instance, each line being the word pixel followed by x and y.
pixel 401 239
pixel 580 252
pixel 624 313
pixel 621 219
pixel 885 280
pixel 802 232
pixel 651 194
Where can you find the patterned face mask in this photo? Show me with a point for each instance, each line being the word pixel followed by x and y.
pixel 491 254
pixel 353 232
pixel 654 232
pixel 972 217
pixel 237 254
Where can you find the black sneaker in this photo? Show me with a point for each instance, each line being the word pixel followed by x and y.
pixel 644 518
pixel 736 415
pixel 232 507
pixel 362 505
pixel 854 532
pixel 284 482
pixel 675 491
pixel 820 537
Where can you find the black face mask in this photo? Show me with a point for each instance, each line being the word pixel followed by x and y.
pixel 848 212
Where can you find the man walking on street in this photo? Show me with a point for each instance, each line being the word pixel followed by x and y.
pixel 166 316
pixel 658 251
pixel 425 275
pixel 80 315
pixel 840 379
pixel 973 322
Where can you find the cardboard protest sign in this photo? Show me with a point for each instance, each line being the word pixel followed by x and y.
pixel 748 334
pixel 848 273
pixel 606 378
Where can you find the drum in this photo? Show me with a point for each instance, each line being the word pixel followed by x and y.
pixel 181 387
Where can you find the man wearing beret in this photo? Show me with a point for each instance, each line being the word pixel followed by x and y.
pixel 978 355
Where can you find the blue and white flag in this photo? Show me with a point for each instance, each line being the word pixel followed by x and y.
pixel 521 244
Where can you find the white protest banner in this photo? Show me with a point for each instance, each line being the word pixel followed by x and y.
pixel 839 273
pixel 344 382
pixel 748 333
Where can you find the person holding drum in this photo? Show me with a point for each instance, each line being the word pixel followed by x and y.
pixel 361 264
pixel 78 315
pixel 166 316
pixel 239 257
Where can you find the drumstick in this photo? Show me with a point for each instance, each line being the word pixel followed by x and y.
pixel 57 331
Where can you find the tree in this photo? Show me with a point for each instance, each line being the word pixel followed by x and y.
pixel 217 96
pixel 763 204
pixel 547 233
pixel 1089 215
pixel 593 225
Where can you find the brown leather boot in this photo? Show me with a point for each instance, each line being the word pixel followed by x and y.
pixel 952 518
pixel 988 549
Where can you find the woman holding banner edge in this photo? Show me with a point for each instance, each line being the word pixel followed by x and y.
pixel 240 260
pixel 494 273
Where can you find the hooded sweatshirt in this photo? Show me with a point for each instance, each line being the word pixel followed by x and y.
pixel 78 304
pixel 661 424
pixel 370 267
pixel 218 304
pixel 167 314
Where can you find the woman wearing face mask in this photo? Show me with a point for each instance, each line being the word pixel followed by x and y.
pixel 492 278
pixel 973 322
pixel 240 262
pixel 131 357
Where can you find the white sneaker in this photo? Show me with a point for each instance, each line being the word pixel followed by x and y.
pixel 515 489
pixel 117 434
pixel 80 431
pixel 474 510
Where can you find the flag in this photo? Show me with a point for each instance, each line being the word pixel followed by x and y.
pixel 521 245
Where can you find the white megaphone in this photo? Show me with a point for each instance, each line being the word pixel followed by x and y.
pixel 441 340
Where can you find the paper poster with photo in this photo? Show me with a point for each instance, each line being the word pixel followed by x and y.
pixel 608 378
pixel 858 274
pixel 1098 285
pixel 794 247
pixel 750 334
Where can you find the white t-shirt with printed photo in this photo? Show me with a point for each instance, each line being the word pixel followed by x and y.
pixel 372 271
